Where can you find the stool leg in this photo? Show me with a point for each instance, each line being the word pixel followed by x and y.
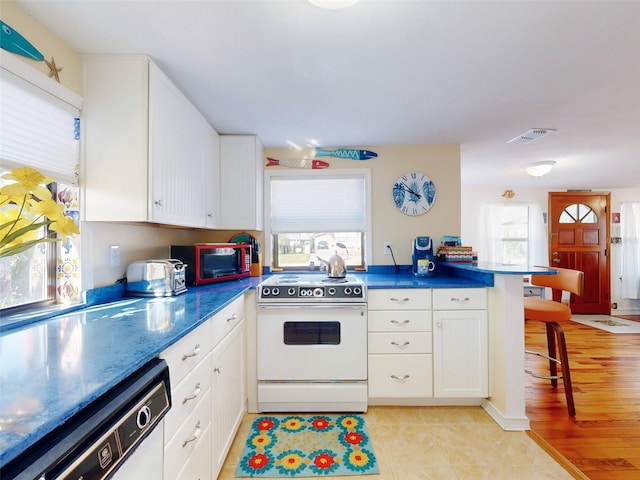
pixel 551 347
pixel 566 375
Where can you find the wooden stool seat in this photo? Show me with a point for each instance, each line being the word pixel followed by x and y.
pixel 543 310
pixel 552 313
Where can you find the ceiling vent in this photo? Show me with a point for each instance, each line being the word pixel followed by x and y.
pixel 531 135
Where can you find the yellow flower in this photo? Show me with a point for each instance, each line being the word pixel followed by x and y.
pixel 65 227
pixel 29 181
pixel 46 208
pixel 26 207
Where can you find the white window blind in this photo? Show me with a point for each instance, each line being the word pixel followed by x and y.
pixel 37 129
pixel 318 204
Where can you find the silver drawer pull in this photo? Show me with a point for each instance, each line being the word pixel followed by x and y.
pixel 465 299
pixel 196 434
pixel 396 377
pixel 400 344
pixel 400 322
pixel 394 299
pixel 196 350
pixel 232 318
pixel 196 392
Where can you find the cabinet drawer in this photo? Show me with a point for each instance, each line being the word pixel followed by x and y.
pixel 227 318
pixel 400 342
pixel 186 353
pixel 399 299
pixel 189 438
pixel 460 299
pixel 400 376
pixel 199 464
pixel 399 321
pixel 187 394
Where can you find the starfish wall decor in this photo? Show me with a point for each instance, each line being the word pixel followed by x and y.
pixel 53 69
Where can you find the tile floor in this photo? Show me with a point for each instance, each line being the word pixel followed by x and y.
pixel 439 443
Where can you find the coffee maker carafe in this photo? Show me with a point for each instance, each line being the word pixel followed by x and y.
pixel 423 259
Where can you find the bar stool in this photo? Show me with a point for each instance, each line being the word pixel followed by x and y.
pixel 552 312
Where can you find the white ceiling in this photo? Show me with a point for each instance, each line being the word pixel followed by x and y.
pixel 475 73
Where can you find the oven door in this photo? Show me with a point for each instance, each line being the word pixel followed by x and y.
pixel 312 342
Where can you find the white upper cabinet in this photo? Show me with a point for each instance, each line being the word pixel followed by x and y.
pixel 241 182
pixel 149 155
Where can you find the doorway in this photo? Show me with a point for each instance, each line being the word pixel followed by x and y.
pixel 579 226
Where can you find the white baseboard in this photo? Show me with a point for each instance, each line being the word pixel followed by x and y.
pixel 514 424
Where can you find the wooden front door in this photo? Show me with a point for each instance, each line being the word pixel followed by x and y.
pixel 579 228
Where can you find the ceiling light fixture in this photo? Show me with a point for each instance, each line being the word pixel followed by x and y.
pixel 333 4
pixel 539 169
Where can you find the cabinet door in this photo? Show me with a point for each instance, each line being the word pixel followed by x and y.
pixel 212 180
pixel 229 399
pixel 176 130
pixel 241 182
pixel 460 354
pixel 115 138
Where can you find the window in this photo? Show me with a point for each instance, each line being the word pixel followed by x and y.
pixel 39 128
pixel 513 234
pixel 514 224
pixel 313 215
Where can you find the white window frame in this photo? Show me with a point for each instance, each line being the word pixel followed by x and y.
pixel 317 174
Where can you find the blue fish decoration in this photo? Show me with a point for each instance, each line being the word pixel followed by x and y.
pixel 12 41
pixel 347 153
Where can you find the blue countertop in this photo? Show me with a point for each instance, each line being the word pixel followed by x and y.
pixel 53 367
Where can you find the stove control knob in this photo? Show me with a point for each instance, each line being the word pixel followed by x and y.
pixel 275 292
pixel 291 291
pixel 265 291
pixel 317 292
pixel 347 291
pixel 332 291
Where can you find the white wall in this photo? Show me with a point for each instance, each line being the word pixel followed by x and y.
pixel 472 198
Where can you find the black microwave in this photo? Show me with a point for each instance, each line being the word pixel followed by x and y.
pixel 214 262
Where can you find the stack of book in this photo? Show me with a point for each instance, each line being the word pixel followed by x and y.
pixel 456 254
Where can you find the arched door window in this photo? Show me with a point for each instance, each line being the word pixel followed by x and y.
pixel 578 212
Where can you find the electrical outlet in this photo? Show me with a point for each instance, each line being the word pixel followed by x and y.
pixel 387 248
pixel 114 255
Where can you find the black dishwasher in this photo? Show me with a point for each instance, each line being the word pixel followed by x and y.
pixel 93 444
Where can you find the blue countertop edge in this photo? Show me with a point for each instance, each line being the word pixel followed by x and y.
pixel 198 304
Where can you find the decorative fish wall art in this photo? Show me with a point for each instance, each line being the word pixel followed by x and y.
pixel 347 153
pixel 298 163
pixel 12 41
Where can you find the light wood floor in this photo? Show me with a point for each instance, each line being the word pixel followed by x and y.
pixel 603 440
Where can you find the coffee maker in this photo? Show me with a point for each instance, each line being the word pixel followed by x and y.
pixel 423 258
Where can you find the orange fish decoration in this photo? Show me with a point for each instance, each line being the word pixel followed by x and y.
pixel 298 163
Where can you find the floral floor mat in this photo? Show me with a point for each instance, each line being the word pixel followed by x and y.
pixel 298 446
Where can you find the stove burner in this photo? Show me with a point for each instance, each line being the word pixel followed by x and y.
pixel 334 280
pixel 294 288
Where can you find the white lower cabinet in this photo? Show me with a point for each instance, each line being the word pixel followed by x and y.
pixel 189 441
pixel 198 467
pixel 228 394
pixel 400 376
pixel 207 374
pixel 427 343
pixel 460 343
pixel 399 342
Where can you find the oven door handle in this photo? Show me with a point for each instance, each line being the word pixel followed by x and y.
pixel 358 306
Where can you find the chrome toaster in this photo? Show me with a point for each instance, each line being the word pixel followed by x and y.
pixel 156 278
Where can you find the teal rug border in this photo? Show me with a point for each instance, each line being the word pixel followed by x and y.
pixel 257 460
